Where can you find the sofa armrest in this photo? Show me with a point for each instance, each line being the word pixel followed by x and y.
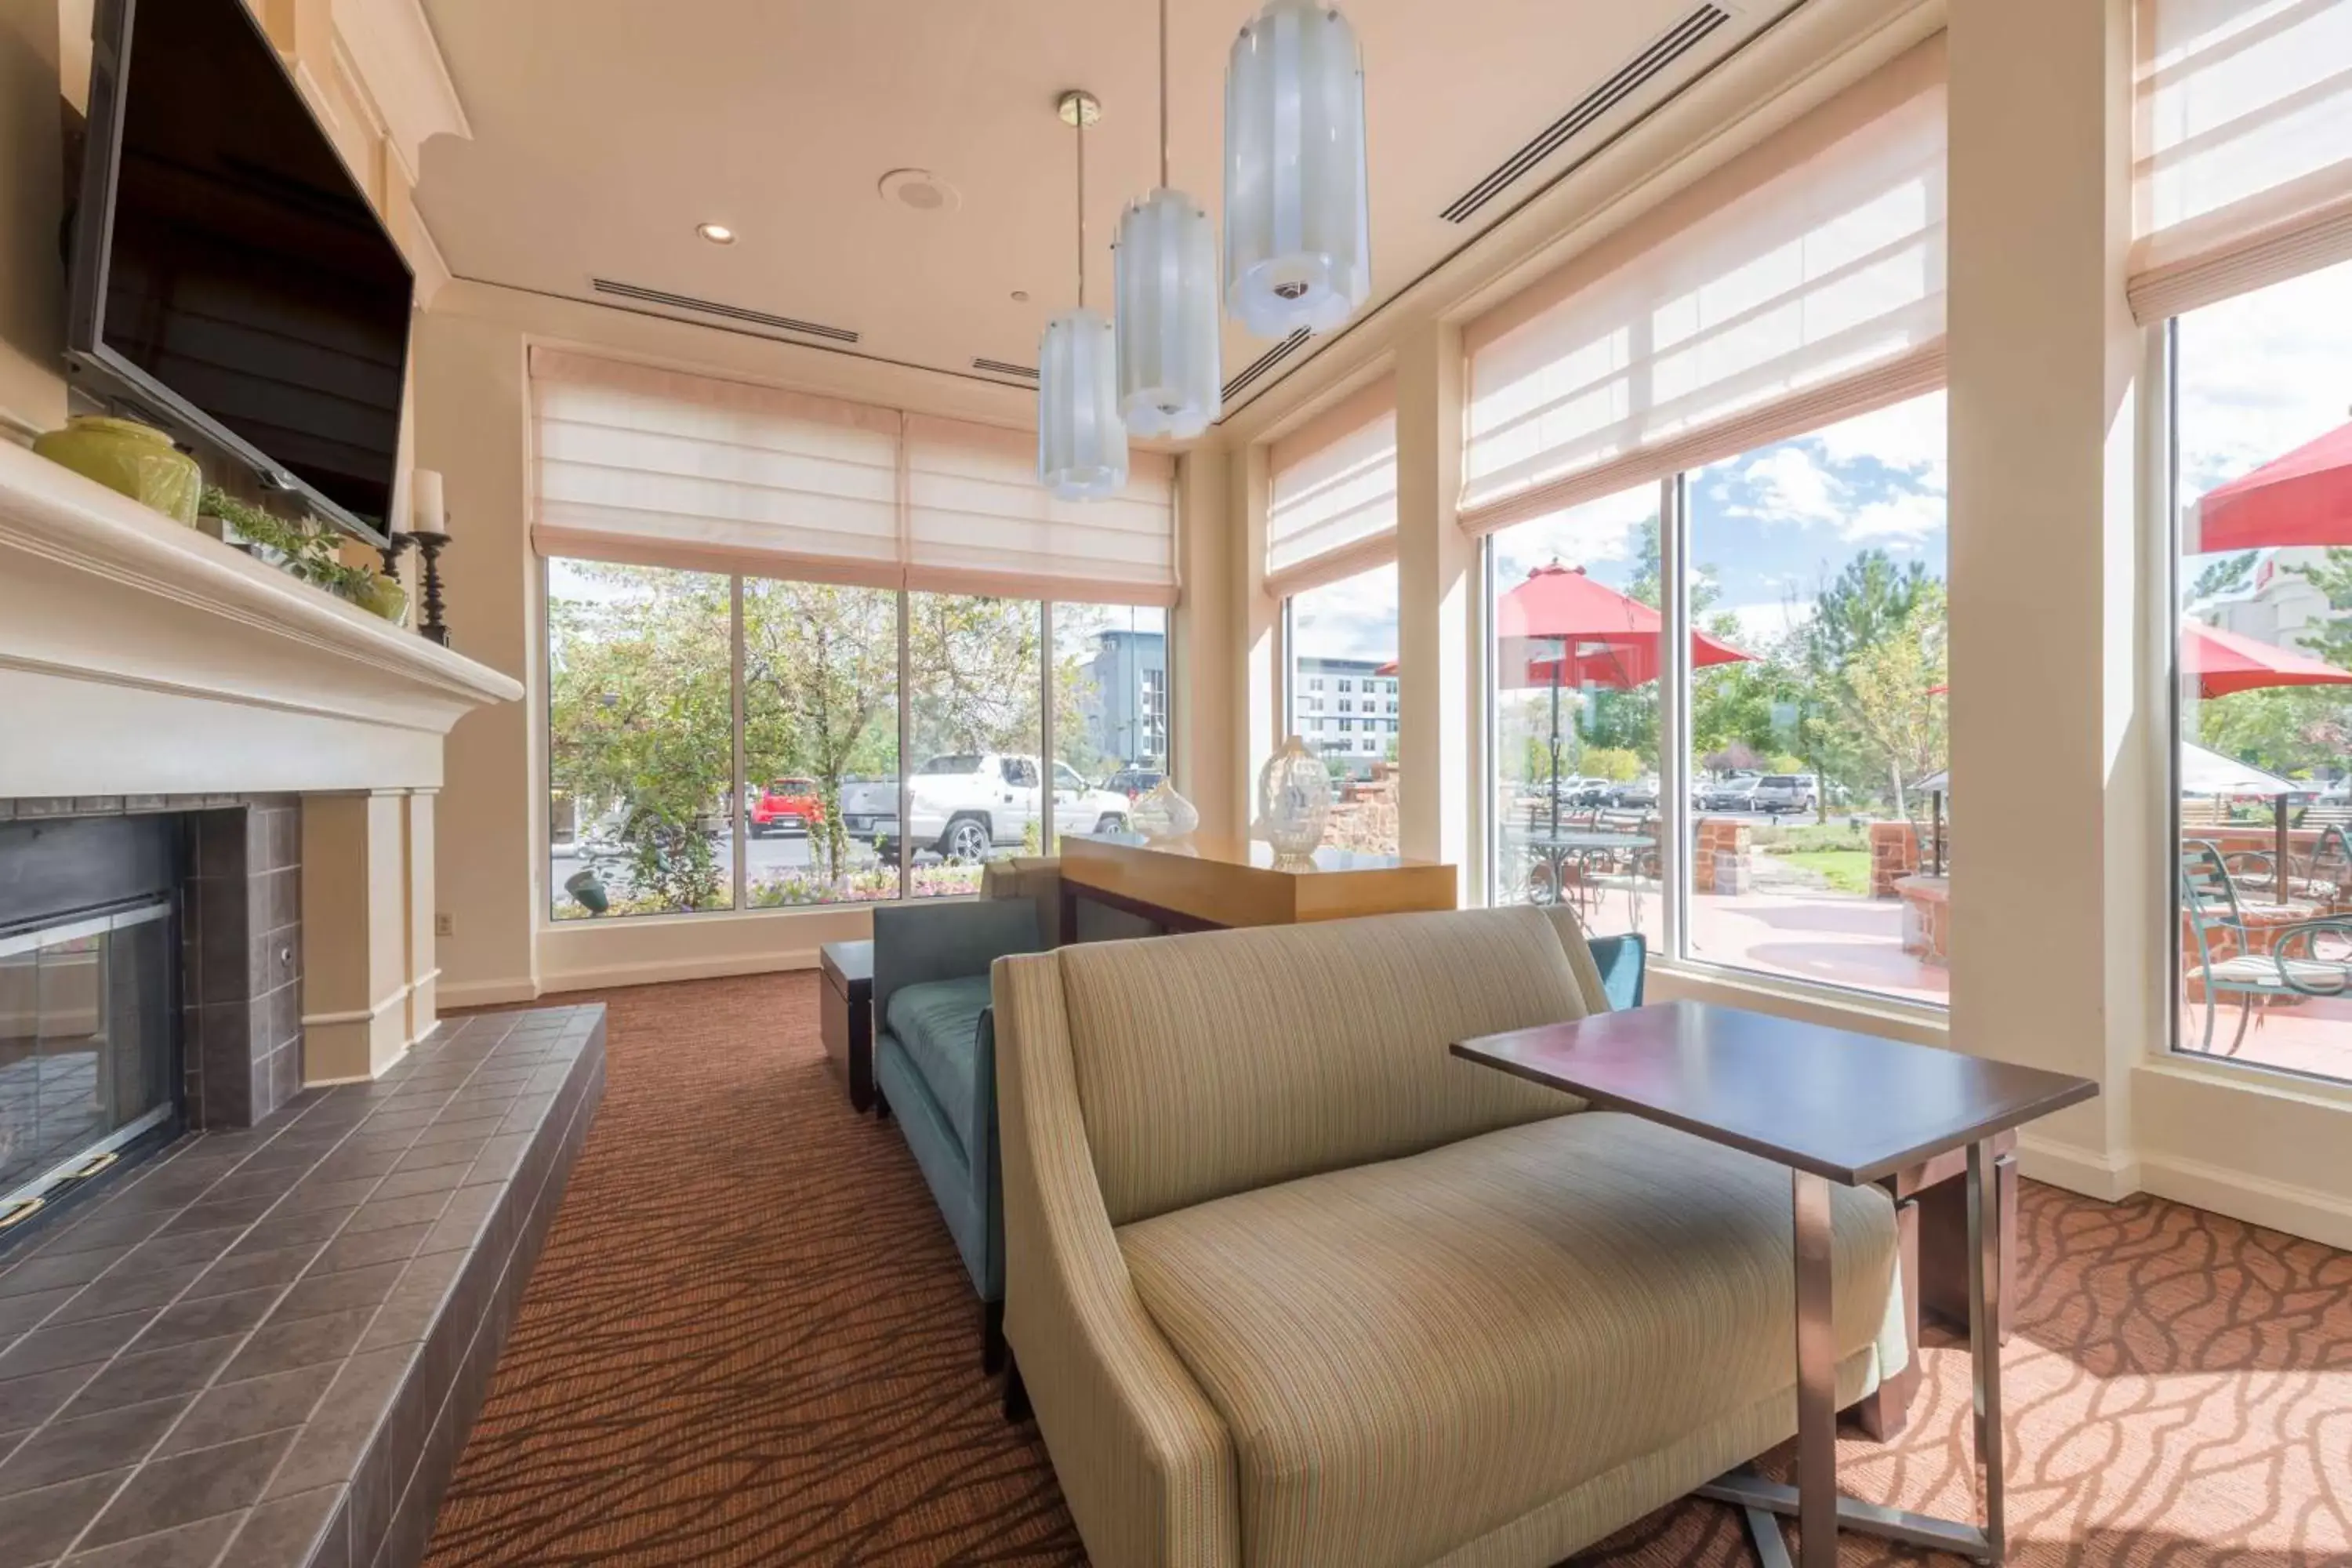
pixel 918 942
pixel 1143 1459
pixel 1621 960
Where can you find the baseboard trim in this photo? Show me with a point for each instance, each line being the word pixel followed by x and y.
pixel 655 972
pixel 2106 1177
pixel 485 992
pixel 2322 1216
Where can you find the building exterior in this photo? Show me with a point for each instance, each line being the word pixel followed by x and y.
pixel 1346 710
pixel 1125 697
pixel 2275 604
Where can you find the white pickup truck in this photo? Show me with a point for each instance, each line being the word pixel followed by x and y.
pixel 965 803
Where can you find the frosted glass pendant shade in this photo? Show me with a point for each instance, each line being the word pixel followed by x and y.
pixel 1081 441
pixel 1169 366
pixel 1297 207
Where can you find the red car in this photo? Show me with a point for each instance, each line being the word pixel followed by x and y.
pixel 787 805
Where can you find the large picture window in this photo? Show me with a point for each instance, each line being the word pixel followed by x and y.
pixel 1342 640
pixel 2263 701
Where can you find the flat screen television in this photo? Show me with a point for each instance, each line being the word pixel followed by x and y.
pixel 229 277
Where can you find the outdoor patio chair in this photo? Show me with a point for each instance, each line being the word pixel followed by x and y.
pixel 2304 958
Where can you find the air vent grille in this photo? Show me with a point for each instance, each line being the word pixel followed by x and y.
pixel 1001 367
pixel 729 312
pixel 1257 368
pixel 1631 78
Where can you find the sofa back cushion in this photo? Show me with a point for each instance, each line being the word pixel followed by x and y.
pixel 1222 1062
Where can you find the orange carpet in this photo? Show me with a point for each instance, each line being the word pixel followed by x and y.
pixel 749 1340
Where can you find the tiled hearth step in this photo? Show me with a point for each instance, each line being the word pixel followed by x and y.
pixel 268 1346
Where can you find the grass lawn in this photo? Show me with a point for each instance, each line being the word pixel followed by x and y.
pixel 1846 870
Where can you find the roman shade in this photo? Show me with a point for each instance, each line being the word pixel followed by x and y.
pixel 2243 147
pixel 1798 284
pixel 1331 512
pixel 654 467
pixel 978 521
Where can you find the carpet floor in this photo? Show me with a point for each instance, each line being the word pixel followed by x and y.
pixel 749 1340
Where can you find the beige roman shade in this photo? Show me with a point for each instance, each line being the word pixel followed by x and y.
pixel 1332 512
pixel 664 467
pixel 2243 147
pixel 1798 284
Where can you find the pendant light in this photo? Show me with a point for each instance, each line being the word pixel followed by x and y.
pixel 1165 289
pixel 1081 443
pixel 1297 204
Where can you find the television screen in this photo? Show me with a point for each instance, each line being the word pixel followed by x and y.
pixel 230 274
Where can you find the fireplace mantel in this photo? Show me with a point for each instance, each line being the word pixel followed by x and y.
pixel 138 657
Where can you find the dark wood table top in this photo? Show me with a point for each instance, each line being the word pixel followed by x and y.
pixel 1852 1107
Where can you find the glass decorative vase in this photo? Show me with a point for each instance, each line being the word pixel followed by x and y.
pixel 1294 800
pixel 124 454
pixel 1162 815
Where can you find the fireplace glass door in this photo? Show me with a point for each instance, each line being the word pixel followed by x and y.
pixel 85 1039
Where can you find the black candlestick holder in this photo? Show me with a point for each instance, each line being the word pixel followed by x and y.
pixel 392 549
pixel 429 546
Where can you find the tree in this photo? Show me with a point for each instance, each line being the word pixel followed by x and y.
pixel 2284 730
pixel 2332 575
pixel 1881 694
pixel 640 720
pixel 820 689
pixel 2225 575
pixel 1870 599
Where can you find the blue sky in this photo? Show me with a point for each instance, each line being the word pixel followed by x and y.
pixel 1776 524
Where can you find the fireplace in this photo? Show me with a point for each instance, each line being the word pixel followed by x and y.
pixel 149 981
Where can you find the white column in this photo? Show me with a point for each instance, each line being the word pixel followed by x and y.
pixel 1258 721
pixel 1437 613
pixel 423 962
pixel 1207 664
pixel 2055 960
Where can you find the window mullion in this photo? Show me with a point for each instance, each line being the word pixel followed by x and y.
pixel 905 853
pixel 1674 845
pixel 737 826
pixel 1046 823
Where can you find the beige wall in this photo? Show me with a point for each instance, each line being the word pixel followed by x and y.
pixel 32 286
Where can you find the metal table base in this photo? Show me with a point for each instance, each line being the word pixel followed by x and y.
pixel 1819 1509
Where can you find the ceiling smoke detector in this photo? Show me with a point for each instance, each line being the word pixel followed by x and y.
pixel 919 190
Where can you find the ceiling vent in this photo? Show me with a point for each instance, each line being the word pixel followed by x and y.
pixel 1000 367
pixel 726 312
pixel 1635 75
pixel 1258 367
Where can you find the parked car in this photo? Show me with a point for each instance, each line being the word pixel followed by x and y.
pixel 1634 793
pixel 963 803
pixel 787 805
pixel 1735 794
pixel 1777 793
pixel 1134 781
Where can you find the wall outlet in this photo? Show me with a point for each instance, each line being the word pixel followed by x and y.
pixel 445 925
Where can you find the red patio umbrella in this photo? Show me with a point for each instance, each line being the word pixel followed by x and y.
pixel 1560 629
pixel 1610 640
pixel 2226 661
pixel 2303 497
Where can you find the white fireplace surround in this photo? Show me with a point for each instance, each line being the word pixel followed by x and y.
pixel 142 663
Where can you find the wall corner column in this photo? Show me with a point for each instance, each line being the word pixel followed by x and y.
pixel 1256 702
pixel 356 892
pixel 2052 764
pixel 1206 640
pixel 1437 611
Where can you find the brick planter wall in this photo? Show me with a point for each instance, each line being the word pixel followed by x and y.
pixel 1893 855
pixel 1719 859
pixel 1927 916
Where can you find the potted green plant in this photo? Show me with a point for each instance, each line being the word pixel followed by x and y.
pixel 301 548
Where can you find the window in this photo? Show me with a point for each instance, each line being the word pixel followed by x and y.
pixel 1816 589
pixel 820 699
pixel 1574 712
pixel 859 574
pixel 641 762
pixel 2265 713
pixel 1349 626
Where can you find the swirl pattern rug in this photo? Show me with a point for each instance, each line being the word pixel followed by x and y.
pixel 749 1340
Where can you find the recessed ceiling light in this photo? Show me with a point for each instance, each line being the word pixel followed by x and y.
pixel 1021 296
pixel 919 189
pixel 715 233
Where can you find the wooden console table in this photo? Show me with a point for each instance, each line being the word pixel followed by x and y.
pixel 1210 885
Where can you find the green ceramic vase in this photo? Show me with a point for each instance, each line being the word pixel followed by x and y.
pixel 124 454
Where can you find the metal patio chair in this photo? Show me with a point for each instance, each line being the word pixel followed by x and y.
pixel 2306 958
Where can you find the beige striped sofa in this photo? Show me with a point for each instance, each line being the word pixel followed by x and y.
pixel 1289 1285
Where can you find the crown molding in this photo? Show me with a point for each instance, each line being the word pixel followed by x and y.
pixel 392 47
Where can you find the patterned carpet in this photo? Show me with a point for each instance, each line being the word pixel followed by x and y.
pixel 748 1342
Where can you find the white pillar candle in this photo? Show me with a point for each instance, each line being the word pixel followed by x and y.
pixel 426 507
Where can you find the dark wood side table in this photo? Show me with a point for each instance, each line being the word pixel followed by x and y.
pixel 1833 1107
pixel 849 1016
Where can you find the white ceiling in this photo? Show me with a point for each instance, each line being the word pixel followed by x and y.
pixel 606 130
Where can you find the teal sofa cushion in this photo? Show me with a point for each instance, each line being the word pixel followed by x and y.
pixel 936 1023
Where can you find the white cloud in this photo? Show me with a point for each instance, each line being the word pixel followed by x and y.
pixel 1353 619
pixel 1592 534
pixel 1760 625
pixel 2262 373
pixel 1906 519
pixel 1908 437
pixel 1789 485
